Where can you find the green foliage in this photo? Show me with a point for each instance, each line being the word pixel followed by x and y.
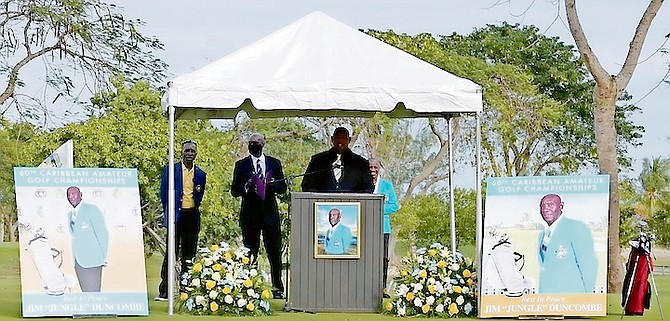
pixel 537 117
pixel 425 219
pixel 14 138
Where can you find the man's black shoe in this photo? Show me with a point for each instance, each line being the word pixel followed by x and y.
pixel 279 294
pixel 161 297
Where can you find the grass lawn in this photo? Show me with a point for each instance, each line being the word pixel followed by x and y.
pixel 10 300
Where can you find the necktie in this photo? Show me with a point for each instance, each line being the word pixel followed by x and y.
pixel 337 168
pixel 259 170
pixel 545 241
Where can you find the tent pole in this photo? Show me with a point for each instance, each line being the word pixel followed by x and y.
pixel 171 218
pixel 451 188
pixel 478 207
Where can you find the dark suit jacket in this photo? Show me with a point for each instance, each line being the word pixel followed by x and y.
pixel 254 209
pixel 199 181
pixel 356 177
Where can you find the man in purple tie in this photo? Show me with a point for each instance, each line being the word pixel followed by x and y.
pixel 258 178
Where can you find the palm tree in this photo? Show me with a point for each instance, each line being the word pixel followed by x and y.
pixel 655 180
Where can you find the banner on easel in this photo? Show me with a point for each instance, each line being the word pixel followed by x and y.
pixel 545 246
pixel 80 235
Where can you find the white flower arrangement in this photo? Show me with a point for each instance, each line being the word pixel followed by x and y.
pixel 222 281
pixel 434 282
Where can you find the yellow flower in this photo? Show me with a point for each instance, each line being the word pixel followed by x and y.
pixel 470 282
pixel 467 274
pixel 431 288
pixel 250 306
pixel 245 260
pixel 403 273
pixel 423 274
pixel 432 252
pixel 227 256
pixel 213 306
pixel 266 294
pixel 410 296
pixel 214 247
pixel 210 284
pixel 458 289
pixel 183 296
pixel 226 290
pixel 197 267
pixel 248 283
pixel 425 308
pixel 442 264
pixel 217 267
pixel 389 306
pixel 453 308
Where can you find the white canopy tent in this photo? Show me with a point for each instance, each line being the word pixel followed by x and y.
pixel 317 66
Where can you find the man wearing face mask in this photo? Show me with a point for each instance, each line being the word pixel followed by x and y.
pixel 338 170
pixel 258 178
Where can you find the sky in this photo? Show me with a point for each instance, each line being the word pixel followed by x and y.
pixel 198 32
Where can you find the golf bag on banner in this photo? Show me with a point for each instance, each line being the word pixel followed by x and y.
pixel 636 294
pixel 503 275
pixel 54 281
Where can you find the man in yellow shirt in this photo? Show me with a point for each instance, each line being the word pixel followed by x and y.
pixel 189 186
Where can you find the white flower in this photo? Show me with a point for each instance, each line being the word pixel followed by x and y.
pixel 444 252
pixel 251 293
pixel 213 294
pixel 454 266
pixel 230 277
pixel 439 288
pixel 431 280
pixel 253 273
pixel 241 302
pixel 417 302
pixel 417 287
pixel 430 300
pixel 401 311
pixel 228 299
pixel 216 276
pixel 199 299
pixel 195 282
pixel 460 300
pixel 419 259
pixel 439 308
pixel 402 290
pixel 465 290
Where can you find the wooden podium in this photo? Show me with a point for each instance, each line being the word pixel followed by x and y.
pixel 320 282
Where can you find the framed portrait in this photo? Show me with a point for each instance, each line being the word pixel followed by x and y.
pixel 337 230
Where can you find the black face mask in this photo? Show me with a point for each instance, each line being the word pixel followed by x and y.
pixel 255 149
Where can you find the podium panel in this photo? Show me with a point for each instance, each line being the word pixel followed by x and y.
pixel 328 280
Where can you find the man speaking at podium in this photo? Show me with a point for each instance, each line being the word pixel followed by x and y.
pixel 338 170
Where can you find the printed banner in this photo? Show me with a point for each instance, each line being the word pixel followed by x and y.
pixel 545 246
pixel 80 236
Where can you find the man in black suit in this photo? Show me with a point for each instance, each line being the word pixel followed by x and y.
pixel 338 170
pixel 258 178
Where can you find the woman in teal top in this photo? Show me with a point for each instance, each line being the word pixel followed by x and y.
pixel 383 186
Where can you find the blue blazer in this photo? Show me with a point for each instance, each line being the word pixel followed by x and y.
pixel 90 238
pixel 390 202
pixel 570 264
pixel 199 182
pixel 338 240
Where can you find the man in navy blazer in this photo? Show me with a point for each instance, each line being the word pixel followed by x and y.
pixel 568 262
pixel 189 188
pixel 258 178
pixel 338 170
